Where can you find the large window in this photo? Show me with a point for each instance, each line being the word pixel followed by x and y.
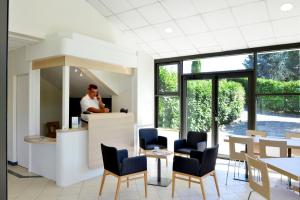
pixel 278 92
pixel 167 97
pixel 230 92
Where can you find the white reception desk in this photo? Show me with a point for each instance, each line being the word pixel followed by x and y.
pixel 75 154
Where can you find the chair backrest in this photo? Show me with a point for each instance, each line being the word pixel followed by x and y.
pixel 110 159
pixel 148 134
pixel 209 158
pixel 292 135
pixel 234 153
pixel 263 187
pixel 193 138
pixel 263 144
pixel 254 133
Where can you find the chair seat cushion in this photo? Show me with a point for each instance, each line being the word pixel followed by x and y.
pixel 184 150
pixel 151 146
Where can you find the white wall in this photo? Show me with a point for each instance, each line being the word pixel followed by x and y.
pixel 17 65
pixel 50 105
pixel 145 90
pixel 41 18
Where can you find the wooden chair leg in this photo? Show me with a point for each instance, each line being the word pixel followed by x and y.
pixel 127 182
pixel 202 189
pixel 216 183
pixel 102 182
pixel 118 188
pixel 189 182
pixel 146 183
pixel 173 184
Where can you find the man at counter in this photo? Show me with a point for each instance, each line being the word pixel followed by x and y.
pixel 92 103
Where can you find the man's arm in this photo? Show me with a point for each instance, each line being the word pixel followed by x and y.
pixel 96 110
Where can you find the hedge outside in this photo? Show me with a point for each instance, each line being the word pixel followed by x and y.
pixel 231 100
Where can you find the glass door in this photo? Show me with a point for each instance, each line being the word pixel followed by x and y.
pixel 232 109
pixel 199 106
pixel 217 103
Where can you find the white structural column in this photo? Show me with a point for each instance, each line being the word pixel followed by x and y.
pixel 65 96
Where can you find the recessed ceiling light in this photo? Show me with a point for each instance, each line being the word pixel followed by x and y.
pixel 286 7
pixel 168 30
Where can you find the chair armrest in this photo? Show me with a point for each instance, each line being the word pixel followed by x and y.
pixel 163 141
pixel 196 154
pixel 186 165
pixel 122 154
pixel 179 144
pixel 134 165
pixel 142 143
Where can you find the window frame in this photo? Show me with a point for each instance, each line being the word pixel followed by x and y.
pixel 181 59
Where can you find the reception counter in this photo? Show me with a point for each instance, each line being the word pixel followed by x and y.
pixel 75 154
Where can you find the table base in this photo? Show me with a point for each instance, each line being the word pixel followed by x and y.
pixel 164 182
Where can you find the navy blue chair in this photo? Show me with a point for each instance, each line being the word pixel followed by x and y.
pixel 118 164
pixel 149 139
pixel 199 165
pixel 196 141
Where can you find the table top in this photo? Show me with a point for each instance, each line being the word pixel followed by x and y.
pixel 158 154
pixel 286 166
pixel 38 139
pixel 291 143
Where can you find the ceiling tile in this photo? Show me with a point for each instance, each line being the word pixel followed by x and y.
pixel 160 46
pixel 276 13
pixel 288 39
pixel 251 13
pixel 210 49
pixel 132 19
pixel 239 2
pixel 154 13
pixel 145 47
pixel 175 29
pixel 210 5
pixel 117 6
pixel 286 27
pixel 155 56
pixel 147 34
pixel 168 54
pixel 187 52
pixel 230 39
pixel 203 40
pixel 261 43
pixel 179 8
pixel 180 43
pixel 100 7
pixel 257 31
pixel 219 19
pixel 116 21
pixel 192 25
pixel 139 3
pixel 133 36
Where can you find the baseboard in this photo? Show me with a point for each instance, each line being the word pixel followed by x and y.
pixel 12 163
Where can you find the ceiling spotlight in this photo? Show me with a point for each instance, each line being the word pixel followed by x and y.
pixel 286 7
pixel 76 70
pixel 81 74
pixel 168 30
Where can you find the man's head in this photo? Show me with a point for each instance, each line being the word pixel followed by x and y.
pixel 92 91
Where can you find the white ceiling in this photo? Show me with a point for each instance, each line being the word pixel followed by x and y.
pixel 202 26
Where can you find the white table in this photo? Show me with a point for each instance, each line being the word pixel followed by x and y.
pixel 289 167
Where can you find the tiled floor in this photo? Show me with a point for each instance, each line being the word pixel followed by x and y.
pixel 43 189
